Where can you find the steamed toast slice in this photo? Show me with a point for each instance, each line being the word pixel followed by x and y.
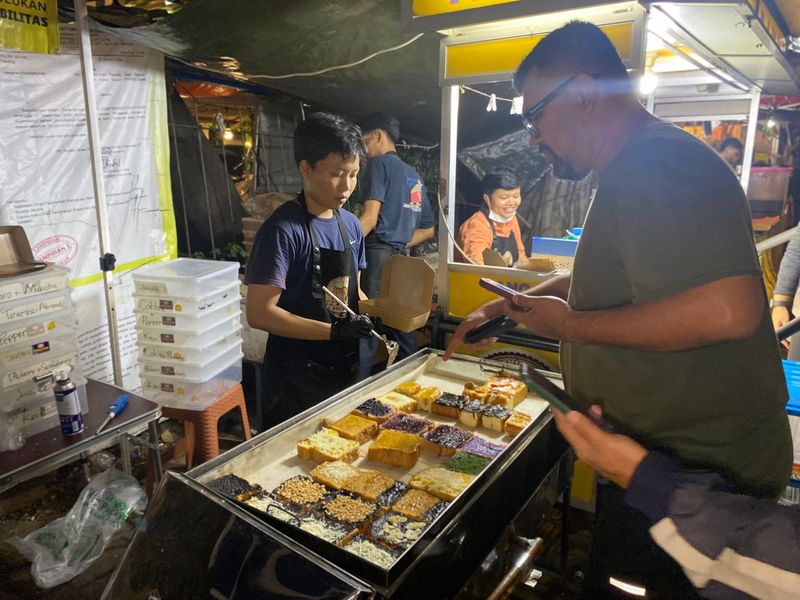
pixel 444 440
pixel 440 482
pixel 335 473
pixel 369 484
pixel 399 402
pixel 514 390
pixel 415 503
pixel 409 388
pixel 374 410
pixel 395 448
pixel 325 445
pixel 426 397
pixel 355 428
pixel 516 423
pixel 448 405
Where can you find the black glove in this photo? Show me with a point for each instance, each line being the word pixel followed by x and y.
pixel 351 328
pixel 377 324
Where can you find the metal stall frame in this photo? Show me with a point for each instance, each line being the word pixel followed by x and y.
pixel 491 23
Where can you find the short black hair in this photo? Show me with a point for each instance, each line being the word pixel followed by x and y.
pixel 731 142
pixel 383 121
pixel 500 178
pixel 577 47
pixel 322 134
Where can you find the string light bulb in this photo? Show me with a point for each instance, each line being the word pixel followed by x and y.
pixel 516 105
pixel 492 106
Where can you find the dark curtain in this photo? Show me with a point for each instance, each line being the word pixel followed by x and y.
pixel 208 212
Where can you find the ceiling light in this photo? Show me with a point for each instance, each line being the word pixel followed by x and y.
pixel 228 135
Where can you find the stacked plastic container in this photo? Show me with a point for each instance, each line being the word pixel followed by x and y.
pixel 189 331
pixel 38 335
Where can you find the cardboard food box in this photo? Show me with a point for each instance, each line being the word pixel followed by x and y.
pixel 16 257
pixel 404 300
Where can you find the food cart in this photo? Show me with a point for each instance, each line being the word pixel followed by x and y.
pixel 712 60
pixel 206 537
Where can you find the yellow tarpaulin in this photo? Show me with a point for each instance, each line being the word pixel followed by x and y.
pixel 29 25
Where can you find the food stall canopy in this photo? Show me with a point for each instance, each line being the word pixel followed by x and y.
pixel 741 36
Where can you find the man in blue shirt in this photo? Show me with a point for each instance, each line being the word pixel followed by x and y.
pixel 396 217
pixel 308 243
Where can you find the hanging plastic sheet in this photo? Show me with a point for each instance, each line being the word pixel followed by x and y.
pixel 549 205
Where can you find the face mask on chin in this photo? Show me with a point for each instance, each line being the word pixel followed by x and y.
pixel 498 218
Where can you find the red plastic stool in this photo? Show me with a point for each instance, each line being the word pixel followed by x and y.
pixel 201 436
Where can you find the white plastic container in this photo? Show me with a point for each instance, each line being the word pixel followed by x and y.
pixel 169 353
pixel 22 374
pixel 39 412
pixel 36 307
pixel 210 363
pixel 53 278
pixel 193 394
pixel 187 306
pixel 40 347
pixel 30 330
pixel 185 277
pixel 187 322
pixel 212 332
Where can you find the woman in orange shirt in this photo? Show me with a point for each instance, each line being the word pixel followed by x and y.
pixel 495 225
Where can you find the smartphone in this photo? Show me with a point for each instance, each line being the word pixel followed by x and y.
pixel 497 288
pixel 559 399
pixel 501 290
pixel 490 328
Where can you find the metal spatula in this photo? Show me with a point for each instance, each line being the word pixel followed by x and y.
pixel 392 347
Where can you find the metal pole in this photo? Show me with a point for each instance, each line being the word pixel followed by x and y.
pixel 225 163
pixel 205 187
pixel 750 138
pixel 180 175
pixel 95 148
pixel 447 187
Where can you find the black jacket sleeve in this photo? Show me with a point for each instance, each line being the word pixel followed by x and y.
pixel 729 545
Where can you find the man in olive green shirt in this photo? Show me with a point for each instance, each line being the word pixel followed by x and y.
pixel 663 321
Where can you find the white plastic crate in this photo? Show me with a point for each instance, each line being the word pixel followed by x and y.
pixel 36 307
pixel 187 322
pixel 185 277
pixel 39 413
pixel 189 338
pixel 209 363
pixel 29 331
pixel 193 394
pixel 53 278
pixel 22 374
pixel 187 306
pixel 40 347
pixel 169 353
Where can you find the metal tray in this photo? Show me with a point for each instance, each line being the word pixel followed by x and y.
pixel 462 534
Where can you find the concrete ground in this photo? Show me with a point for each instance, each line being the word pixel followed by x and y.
pixel 34 503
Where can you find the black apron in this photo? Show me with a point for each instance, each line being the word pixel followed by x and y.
pixel 300 373
pixel 504 244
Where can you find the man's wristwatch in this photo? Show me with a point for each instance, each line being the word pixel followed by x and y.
pixel 784 303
